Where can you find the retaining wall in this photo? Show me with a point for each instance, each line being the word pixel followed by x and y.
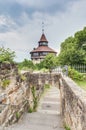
pixel 18 97
pixel 73 104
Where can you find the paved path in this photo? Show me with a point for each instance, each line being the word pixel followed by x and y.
pixel 47 116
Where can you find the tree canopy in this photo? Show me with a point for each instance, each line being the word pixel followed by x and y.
pixel 6 55
pixel 26 64
pixel 73 49
pixel 48 63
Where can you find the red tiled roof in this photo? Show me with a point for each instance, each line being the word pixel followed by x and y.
pixel 43 49
pixel 43 38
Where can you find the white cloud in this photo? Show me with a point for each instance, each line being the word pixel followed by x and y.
pixel 38 3
pixel 6 23
pixel 6 20
pixel 57 27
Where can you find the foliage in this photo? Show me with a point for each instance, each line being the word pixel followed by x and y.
pixel 30 110
pixel 48 63
pixel 17 115
pixel 79 78
pixel 75 75
pixel 39 66
pixel 35 100
pixel 67 128
pixel 82 84
pixel 26 64
pixel 46 86
pixel 6 55
pixel 23 77
pixel 5 83
pixel 73 49
pixel 44 70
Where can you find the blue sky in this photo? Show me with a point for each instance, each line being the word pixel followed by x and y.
pixel 21 23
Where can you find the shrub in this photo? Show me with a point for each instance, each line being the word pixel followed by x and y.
pixel 67 128
pixel 75 75
pixel 46 86
pixel 5 83
pixel 30 110
pixel 23 78
pixel 17 115
pixel 35 99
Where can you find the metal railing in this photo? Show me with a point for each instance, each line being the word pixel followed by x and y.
pixel 61 70
pixel 64 69
pixel 80 68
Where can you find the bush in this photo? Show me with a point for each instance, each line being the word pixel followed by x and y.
pixel 46 86
pixel 75 75
pixel 67 128
pixel 17 115
pixel 6 55
pixel 5 83
pixel 84 77
pixel 30 110
pixel 35 99
pixel 23 77
pixel 26 65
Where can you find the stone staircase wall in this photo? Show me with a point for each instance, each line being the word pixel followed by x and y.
pixel 14 100
pixel 17 97
pixel 73 104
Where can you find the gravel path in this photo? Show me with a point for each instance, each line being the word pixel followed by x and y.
pixel 47 116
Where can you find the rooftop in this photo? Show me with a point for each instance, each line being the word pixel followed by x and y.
pixel 43 38
pixel 43 49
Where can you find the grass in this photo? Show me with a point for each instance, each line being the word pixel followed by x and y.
pixel 82 84
pixel 5 83
pixel 67 127
pixel 35 100
pixel 17 115
pixel 46 86
pixel 30 110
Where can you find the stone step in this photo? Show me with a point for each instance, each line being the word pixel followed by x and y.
pixel 47 116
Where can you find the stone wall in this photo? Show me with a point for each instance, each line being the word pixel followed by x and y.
pixel 17 97
pixel 73 104
pixel 14 97
pixel 38 80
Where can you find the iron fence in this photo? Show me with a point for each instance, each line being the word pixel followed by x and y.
pixel 80 68
pixel 64 69
pixel 61 70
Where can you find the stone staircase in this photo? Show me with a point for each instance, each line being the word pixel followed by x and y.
pixel 47 116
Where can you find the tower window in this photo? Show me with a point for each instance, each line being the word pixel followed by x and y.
pixel 43 44
pixel 35 54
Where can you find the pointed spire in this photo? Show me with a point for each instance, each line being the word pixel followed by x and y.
pixel 42 27
pixel 43 38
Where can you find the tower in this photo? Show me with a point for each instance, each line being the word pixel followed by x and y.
pixel 39 53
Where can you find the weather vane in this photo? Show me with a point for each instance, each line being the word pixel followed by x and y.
pixel 42 27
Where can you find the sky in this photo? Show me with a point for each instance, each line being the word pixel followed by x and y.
pixel 21 23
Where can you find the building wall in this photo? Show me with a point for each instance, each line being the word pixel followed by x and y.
pixel 39 58
pixel 36 61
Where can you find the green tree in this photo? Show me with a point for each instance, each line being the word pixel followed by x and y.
pixel 80 37
pixel 40 65
pixel 50 61
pixel 6 55
pixel 73 49
pixel 26 64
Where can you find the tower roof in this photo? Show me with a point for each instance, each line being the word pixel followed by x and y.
pixel 43 49
pixel 43 38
